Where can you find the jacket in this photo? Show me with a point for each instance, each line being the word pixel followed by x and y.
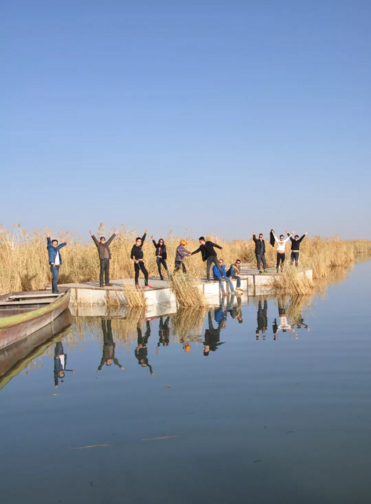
pixel 137 252
pixel 234 270
pixel 52 251
pixel 207 250
pixel 103 247
pixel 259 246
pixel 181 253
pixel 295 244
pixel 157 246
pixel 216 272
pixel 272 241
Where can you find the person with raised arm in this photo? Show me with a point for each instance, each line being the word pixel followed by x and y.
pixel 260 252
pixel 209 255
pixel 137 256
pixel 55 260
pixel 281 246
pixel 295 247
pixel 161 256
pixel 104 254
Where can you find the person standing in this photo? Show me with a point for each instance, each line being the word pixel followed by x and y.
pixel 181 254
pixel 104 256
pixel 220 276
pixel 281 245
pixel 161 256
pixel 295 247
pixel 55 260
pixel 260 252
pixel 137 256
pixel 209 255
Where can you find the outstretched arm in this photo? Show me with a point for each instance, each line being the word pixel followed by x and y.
pixel 112 237
pixel 304 235
pixel 94 239
pixel 196 251
pixel 116 361
pixel 254 237
pixel 217 246
pixel 61 245
pixel 144 236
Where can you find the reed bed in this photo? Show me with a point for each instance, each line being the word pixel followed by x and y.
pixel 24 261
pixel 187 291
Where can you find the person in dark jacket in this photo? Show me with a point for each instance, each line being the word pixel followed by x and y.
pixel 108 355
pixel 163 333
pixel 295 247
pixel 212 336
pixel 209 255
pixel 262 319
pixel 137 256
pixel 104 256
pixel 55 260
pixel 60 363
pixel 161 256
pixel 260 251
pixel 141 352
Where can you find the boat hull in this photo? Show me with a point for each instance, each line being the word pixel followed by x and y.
pixel 17 327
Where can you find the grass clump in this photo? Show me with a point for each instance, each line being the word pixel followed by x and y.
pixel 187 291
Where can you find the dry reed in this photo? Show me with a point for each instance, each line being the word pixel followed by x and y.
pixel 24 260
pixel 187 291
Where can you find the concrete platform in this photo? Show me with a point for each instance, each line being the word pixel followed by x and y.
pixel 90 293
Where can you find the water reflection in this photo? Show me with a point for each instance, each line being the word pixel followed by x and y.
pixel 108 354
pixel 141 351
pixel 60 364
pixel 208 327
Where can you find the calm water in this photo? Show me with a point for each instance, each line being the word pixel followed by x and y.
pixel 282 417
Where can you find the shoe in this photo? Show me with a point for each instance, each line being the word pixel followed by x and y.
pixel 162 278
pixel 109 285
pixel 260 272
pixel 148 286
pixel 265 271
pixel 239 288
pixel 101 285
pixel 137 287
pixel 224 294
pixel 56 292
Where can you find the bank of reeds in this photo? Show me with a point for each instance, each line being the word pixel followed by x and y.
pixel 187 291
pixel 24 261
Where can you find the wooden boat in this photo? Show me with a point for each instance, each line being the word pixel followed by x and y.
pixel 15 358
pixel 24 313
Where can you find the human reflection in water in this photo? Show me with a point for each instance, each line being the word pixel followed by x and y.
pixel 212 336
pixel 141 351
pixel 236 311
pixel 262 318
pixel 163 333
pixel 283 322
pixel 108 355
pixel 60 363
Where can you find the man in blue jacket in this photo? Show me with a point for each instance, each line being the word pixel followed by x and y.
pixel 55 260
pixel 218 276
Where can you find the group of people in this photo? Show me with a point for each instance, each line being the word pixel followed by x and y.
pixel 206 248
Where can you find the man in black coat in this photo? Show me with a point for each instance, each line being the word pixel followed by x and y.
pixel 208 254
pixel 260 251
pixel 104 256
pixel 295 247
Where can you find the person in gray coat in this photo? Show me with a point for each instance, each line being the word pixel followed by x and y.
pixel 104 256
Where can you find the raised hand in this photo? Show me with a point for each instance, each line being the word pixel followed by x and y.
pixel 286 231
pixel 48 235
pixel 146 230
pixel 116 232
pixel 151 237
pixel 306 232
pixel 254 233
pixel 91 234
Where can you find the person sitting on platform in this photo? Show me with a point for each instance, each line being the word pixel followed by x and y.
pixel 221 275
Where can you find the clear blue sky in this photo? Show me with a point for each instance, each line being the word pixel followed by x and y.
pixel 212 116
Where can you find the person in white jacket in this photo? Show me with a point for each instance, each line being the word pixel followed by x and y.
pixel 281 246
